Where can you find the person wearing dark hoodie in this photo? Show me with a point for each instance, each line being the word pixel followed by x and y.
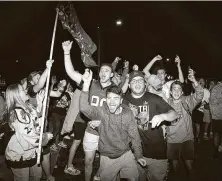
pixel 117 129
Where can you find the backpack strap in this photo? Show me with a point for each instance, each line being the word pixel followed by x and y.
pixel 185 106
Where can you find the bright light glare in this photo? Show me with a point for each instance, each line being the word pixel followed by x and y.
pixel 118 22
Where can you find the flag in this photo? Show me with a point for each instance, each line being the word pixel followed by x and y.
pixel 70 21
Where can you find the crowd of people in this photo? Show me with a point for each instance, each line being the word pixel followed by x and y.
pixel 139 123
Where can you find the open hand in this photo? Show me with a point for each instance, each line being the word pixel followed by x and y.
pixel 157 120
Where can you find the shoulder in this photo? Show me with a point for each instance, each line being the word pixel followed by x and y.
pixel 95 85
pixel 206 91
pixel 151 96
pixel 217 88
pixel 95 82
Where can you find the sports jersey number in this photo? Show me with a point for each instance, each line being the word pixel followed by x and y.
pixel 96 101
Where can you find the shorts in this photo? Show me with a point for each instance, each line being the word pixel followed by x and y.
pixel 124 166
pixel 217 126
pixel 197 116
pixel 185 150
pixel 90 142
pixel 79 130
pixel 207 116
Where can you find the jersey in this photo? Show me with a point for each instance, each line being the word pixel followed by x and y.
pixel 97 97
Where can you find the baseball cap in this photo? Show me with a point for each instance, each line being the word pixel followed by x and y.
pixel 134 74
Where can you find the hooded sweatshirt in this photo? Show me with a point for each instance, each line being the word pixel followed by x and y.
pixel 116 131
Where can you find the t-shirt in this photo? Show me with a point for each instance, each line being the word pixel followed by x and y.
pixel 61 104
pixel 154 145
pixel 181 129
pixel 97 96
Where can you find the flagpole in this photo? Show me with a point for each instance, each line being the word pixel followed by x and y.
pixel 46 91
pixel 99 43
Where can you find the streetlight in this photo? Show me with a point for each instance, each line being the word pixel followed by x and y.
pixel 119 22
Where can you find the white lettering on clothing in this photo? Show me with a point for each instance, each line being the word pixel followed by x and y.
pixel 96 101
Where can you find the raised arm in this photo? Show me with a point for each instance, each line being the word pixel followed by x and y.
pixel 125 77
pixel 90 111
pixel 146 70
pixel 180 72
pixel 115 63
pixel 43 77
pixel 194 99
pixel 74 75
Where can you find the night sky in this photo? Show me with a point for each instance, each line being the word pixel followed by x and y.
pixel 193 30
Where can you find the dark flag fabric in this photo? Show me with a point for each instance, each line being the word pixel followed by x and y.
pixel 70 21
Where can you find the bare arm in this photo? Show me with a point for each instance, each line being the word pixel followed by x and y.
pixel 125 85
pixel 42 79
pixel 180 72
pixel 74 75
pixel 171 115
pixel 146 70
pixel 194 99
pixel 56 93
pixel 125 77
pixel 197 97
pixel 115 63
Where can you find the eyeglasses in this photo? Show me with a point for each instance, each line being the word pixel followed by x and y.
pixel 139 81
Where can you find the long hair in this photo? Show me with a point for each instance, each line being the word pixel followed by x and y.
pixel 13 99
